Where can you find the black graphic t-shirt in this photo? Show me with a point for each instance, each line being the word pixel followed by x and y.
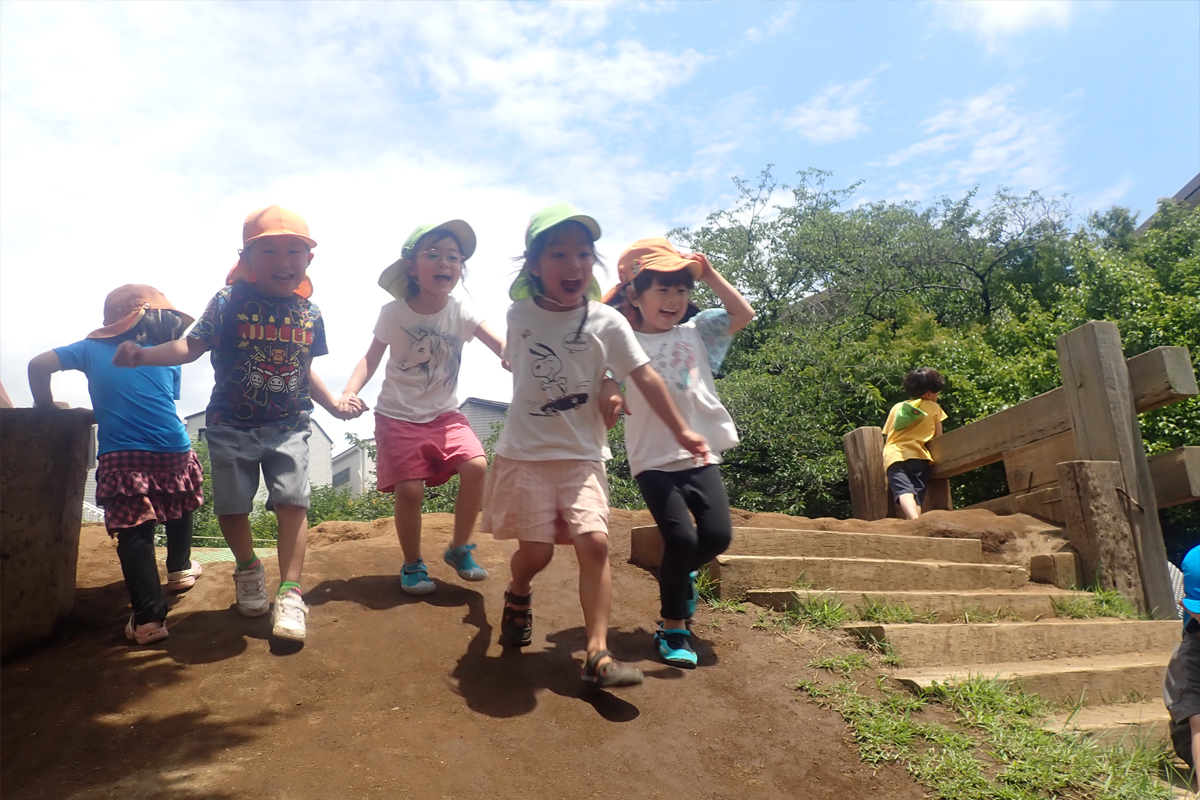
pixel 262 348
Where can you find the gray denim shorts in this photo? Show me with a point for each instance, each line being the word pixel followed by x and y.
pixel 237 454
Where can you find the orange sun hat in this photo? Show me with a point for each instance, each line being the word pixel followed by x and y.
pixel 126 305
pixel 655 254
pixel 272 221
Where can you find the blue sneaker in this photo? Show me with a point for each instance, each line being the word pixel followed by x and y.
pixel 693 596
pixel 464 564
pixel 414 578
pixel 675 647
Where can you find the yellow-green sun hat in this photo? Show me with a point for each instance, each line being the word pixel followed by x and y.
pixel 526 285
pixel 393 280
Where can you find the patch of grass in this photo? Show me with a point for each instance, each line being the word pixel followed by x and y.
pixel 892 659
pixel 1100 603
pixel 843 665
pixel 706 585
pixel 887 613
pixel 977 614
pixel 817 611
pixel 996 749
pixel 728 606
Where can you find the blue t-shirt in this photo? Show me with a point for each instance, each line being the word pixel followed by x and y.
pixel 135 408
pixel 262 348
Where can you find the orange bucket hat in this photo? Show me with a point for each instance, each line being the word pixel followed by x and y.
pixel 126 305
pixel 272 221
pixel 655 254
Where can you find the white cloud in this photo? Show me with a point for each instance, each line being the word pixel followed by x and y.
pixel 995 21
pixel 988 136
pixel 1105 198
pixel 776 24
pixel 834 114
pixel 137 137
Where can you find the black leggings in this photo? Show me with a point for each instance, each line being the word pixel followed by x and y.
pixel 135 549
pixel 673 499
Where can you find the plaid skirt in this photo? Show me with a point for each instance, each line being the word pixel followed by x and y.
pixel 136 486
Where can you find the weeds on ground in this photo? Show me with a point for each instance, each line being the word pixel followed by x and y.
pixel 816 611
pixel 977 614
pixel 706 590
pixel 996 749
pixel 888 613
pixel 1100 603
pixel 843 665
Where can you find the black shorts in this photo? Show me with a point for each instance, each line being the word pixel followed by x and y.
pixel 908 477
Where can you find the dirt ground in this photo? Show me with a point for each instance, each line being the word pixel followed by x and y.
pixel 402 697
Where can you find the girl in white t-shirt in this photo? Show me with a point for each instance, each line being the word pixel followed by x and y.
pixel 421 438
pixel 685 347
pixel 547 483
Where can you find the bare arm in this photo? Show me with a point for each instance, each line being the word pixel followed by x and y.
pixel 321 394
pixel 172 354
pixel 740 312
pixel 612 402
pixel 489 337
pixel 655 392
pixel 937 429
pixel 365 368
pixel 40 370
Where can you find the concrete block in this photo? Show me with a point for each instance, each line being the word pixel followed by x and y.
pixel 1059 569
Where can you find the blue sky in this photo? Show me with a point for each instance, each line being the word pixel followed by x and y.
pixel 135 137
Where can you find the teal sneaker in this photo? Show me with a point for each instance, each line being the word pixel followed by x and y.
pixel 693 596
pixel 414 578
pixel 463 563
pixel 675 647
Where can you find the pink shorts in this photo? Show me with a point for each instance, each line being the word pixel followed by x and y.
pixel 545 501
pixel 422 451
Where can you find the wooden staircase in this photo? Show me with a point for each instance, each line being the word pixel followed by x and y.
pixel 1107 672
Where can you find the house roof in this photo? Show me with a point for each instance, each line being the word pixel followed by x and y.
pixel 1189 195
pixel 475 401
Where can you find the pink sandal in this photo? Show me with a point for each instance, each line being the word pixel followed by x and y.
pixel 156 634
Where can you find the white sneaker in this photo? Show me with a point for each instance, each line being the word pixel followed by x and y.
pixel 251 591
pixel 288 616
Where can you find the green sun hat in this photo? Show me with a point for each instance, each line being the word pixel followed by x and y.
pixel 527 285
pixel 393 280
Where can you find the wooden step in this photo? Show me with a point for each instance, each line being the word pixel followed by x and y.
pixel 740 574
pixel 996 642
pixel 646 546
pixel 1088 680
pixel 1121 724
pixel 1030 602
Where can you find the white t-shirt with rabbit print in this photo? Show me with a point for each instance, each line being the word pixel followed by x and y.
pixel 424 352
pixel 557 370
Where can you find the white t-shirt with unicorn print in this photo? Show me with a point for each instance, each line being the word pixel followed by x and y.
pixel 424 352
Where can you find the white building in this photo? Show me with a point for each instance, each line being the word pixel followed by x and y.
pixel 355 469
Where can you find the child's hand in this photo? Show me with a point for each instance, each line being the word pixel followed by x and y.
pixel 504 363
pixel 128 355
pixel 350 406
pixel 612 402
pixel 704 263
pixel 695 444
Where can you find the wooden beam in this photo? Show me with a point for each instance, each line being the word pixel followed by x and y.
pixel 1036 465
pixel 1176 476
pixel 868 480
pixel 1099 396
pixel 985 441
pixel 1098 527
pixel 1159 377
pixel 1045 504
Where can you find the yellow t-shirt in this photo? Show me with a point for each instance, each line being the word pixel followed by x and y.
pixel 909 442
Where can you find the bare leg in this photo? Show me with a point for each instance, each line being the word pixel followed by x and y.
pixel 236 530
pixel 471 477
pixel 530 559
pixel 409 497
pixel 595 588
pixel 293 541
pixel 909 507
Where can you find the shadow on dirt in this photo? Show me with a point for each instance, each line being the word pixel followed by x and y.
pixel 69 730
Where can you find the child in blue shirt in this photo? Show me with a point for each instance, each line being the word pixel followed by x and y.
pixel 146 472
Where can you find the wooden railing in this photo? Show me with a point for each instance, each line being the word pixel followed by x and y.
pixel 1091 417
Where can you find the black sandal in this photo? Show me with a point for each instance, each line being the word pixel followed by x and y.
pixel 610 675
pixel 516 624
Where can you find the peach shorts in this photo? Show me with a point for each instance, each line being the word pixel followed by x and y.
pixel 545 501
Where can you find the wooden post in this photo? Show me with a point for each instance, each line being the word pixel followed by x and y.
pixel 868 480
pixel 937 496
pixel 1104 418
pixel 1099 528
